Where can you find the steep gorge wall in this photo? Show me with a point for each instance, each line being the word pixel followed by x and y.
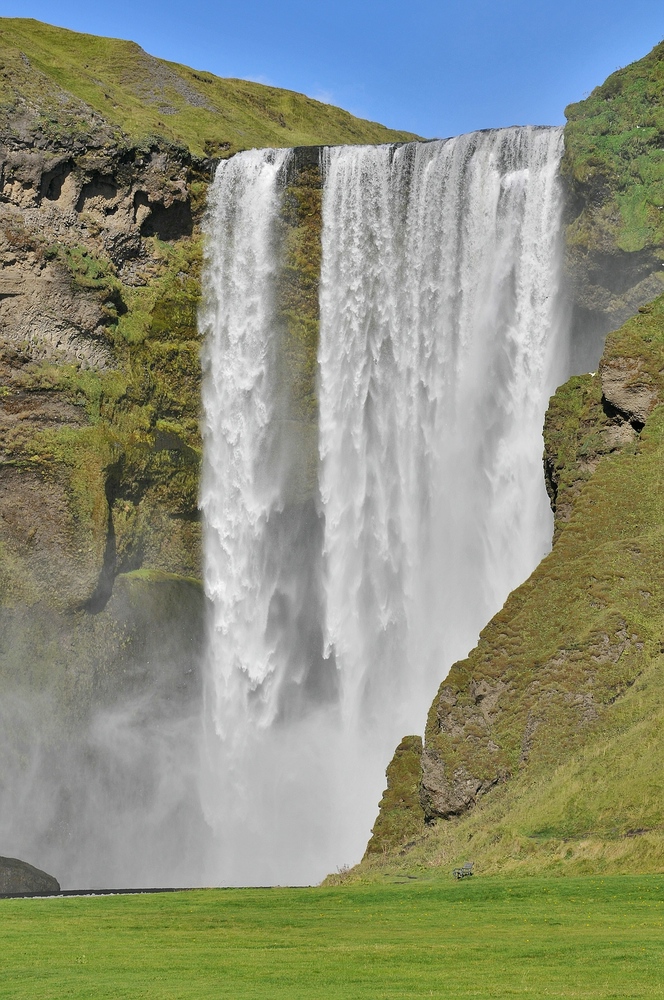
pixel 99 401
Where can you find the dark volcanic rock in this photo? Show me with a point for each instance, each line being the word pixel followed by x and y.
pixel 18 876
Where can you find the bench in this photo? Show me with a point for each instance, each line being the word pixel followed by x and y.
pixel 465 871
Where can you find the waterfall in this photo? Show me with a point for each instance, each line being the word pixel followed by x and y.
pixel 439 350
pixel 442 335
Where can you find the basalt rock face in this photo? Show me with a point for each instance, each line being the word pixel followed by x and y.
pixel 67 214
pixel 99 445
pixel 18 877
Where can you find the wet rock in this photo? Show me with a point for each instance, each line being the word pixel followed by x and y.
pixel 443 794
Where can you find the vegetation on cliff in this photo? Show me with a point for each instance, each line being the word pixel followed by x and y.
pixel 615 159
pixel 613 168
pixel 400 813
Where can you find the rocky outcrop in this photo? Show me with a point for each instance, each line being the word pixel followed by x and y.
pixel 596 415
pixel 446 792
pixel 74 221
pixel 628 389
pixel 18 878
pixel 75 262
pixel 400 815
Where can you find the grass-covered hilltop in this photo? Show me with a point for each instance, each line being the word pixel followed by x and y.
pixel 66 84
pixel 542 750
pixel 614 170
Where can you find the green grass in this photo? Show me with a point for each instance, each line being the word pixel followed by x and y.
pixel 146 97
pixel 614 158
pixel 485 937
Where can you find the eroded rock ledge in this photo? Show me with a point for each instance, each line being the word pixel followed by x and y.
pixel 103 200
pixel 100 258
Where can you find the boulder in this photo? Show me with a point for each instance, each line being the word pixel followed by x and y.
pixel 17 877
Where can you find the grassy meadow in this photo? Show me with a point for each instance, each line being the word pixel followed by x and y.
pixel 483 937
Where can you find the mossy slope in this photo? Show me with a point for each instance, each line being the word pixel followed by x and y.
pixel 614 157
pixel 613 167
pixel 143 96
pixel 400 814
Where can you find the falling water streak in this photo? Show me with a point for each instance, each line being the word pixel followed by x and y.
pixel 241 480
pixel 442 337
pixel 266 703
pixel 241 483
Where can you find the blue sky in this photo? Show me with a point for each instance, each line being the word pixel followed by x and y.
pixel 435 68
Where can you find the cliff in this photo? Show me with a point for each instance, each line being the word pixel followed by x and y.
pixel 60 84
pixel 105 158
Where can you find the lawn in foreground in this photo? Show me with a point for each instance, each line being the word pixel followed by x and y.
pixel 485 937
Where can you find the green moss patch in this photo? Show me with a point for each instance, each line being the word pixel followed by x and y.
pixel 614 158
pixel 400 814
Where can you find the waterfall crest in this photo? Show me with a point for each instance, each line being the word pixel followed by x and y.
pixel 442 336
